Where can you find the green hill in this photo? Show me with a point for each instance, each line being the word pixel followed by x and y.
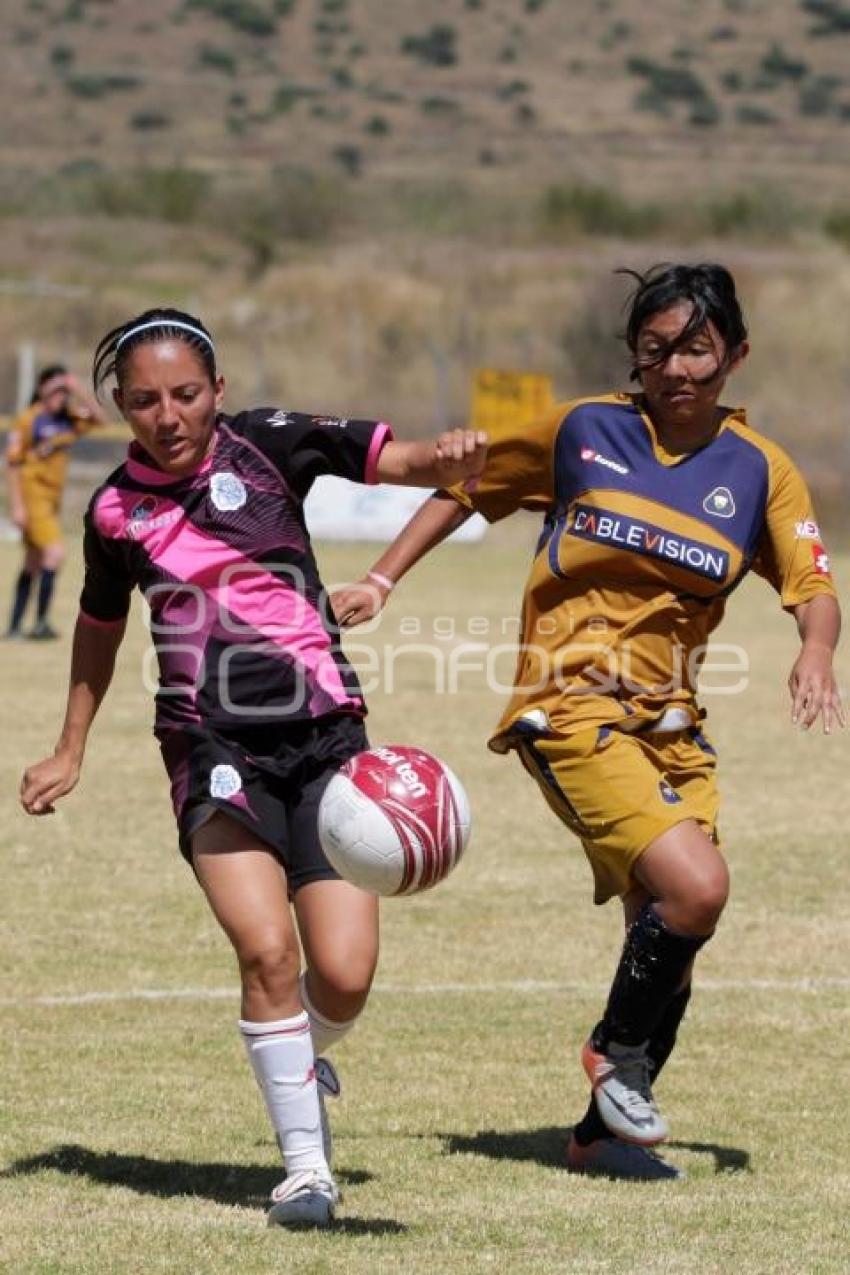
pixel 674 92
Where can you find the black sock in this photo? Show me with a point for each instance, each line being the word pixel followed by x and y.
pixel 654 961
pixel 23 587
pixel 45 593
pixel 592 1127
pixel 663 1038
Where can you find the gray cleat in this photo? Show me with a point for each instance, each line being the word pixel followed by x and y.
pixel 303 1199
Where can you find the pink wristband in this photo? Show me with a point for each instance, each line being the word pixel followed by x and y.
pixel 384 581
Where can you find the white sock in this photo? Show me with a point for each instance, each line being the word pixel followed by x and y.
pixel 281 1055
pixel 325 1033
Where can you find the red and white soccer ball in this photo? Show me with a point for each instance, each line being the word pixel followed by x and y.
pixel 394 820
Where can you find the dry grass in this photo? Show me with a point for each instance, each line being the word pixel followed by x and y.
pixel 130 1134
pixel 396 328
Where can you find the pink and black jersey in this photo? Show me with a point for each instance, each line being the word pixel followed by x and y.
pixel 242 627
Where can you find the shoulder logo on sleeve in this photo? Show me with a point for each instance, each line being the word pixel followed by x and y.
pixel 227 492
pixel 225 782
pixel 820 558
pixel 279 419
pixel 720 503
pixel 807 530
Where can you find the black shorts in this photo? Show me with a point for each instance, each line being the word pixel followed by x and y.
pixel 269 778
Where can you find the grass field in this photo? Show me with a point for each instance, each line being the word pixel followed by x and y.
pixel 131 1135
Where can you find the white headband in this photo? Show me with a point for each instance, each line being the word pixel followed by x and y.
pixel 164 323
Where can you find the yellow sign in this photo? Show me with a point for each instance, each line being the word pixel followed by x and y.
pixel 503 399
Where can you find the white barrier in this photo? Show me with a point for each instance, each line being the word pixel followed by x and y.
pixel 339 510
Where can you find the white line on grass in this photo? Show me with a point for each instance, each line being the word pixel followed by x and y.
pixel 528 986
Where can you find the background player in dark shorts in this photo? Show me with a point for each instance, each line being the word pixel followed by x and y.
pixel 656 505
pixel 257 706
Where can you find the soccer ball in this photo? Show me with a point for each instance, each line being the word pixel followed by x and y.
pixel 394 820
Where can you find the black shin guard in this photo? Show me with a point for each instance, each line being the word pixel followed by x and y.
pixel 654 961
pixel 663 1039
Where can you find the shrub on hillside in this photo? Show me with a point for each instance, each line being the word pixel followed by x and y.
pixel 673 83
pixel 704 113
pixel 248 16
pixel 61 55
pixel 749 113
pixel 817 95
pixel 153 194
pixel 92 85
pixel 294 205
pixel 837 226
pixel 439 106
pixel 668 85
pixel 566 210
pixel 756 212
pixel 349 158
pixel 217 59
pixel 148 121
pixel 436 47
pixel 287 95
pixel 778 64
pixel 515 88
pixel 833 17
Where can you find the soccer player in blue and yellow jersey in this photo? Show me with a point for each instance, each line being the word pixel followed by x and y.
pixel 37 466
pixel 655 506
pixel 257 707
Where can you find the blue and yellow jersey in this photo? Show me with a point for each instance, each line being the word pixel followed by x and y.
pixel 39 442
pixel 638 553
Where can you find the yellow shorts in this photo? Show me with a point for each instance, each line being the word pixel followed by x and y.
pixel 42 502
pixel 619 792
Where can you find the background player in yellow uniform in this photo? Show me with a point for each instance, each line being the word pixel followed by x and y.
pixel 37 466
pixel 656 505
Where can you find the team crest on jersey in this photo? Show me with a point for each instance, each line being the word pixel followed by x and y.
pixel 720 503
pixel 227 492
pixel 225 782
pixel 807 530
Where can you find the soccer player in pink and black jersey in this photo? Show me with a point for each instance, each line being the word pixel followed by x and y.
pixel 257 706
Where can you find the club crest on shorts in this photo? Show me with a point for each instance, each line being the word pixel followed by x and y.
pixel 720 503
pixel 668 793
pixel 225 782
pixel 227 492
